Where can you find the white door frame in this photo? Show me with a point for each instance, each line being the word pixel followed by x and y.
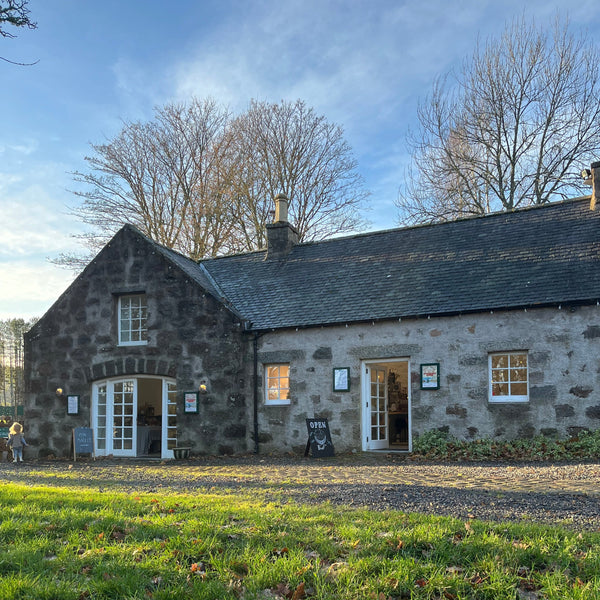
pixel 367 445
pixel 169 418
pixel 168 423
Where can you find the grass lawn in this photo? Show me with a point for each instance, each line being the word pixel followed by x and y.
pixel 66 543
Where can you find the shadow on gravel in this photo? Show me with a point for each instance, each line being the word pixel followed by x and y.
pixel 565 509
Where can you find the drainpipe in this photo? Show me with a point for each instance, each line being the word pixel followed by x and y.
pixel 255 352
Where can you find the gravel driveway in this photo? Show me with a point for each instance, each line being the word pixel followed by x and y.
pixel 567 494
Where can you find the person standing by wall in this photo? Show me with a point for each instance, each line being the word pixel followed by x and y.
pixel 16 441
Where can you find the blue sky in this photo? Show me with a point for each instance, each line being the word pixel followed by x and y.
pixel 362 64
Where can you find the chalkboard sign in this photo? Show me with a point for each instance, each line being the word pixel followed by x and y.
pixel 83 441
pixel 319 438
pixel 3 432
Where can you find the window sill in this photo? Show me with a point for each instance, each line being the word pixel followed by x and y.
pixel 144 343
pixel 280 403
pixel 508 400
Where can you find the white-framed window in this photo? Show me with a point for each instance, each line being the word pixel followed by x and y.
pixel 133 315
pixel 277 384
pixel 509 377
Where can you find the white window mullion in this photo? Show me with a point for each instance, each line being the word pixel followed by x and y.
pixel 133 316
pixel 509 377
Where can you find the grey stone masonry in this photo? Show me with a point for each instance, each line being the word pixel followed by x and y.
pixel 192 338
pixel 563 372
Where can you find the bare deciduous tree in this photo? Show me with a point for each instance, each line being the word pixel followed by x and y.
pixel 162 177
pixel 197 180
pixel 515 129
pixel 16 14
pixel 288 148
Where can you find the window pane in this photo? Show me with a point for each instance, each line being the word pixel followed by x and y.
pixel 277 383
pixel 132 319
pixel 518 375
pixel 518 360
pixel 499 375
pixel 499 361
pixel 499 389
pixel 508 376
pixel 518 389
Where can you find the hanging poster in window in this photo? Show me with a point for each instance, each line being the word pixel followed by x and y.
pixel 430 376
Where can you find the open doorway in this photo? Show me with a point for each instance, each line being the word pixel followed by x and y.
pixel 135 417
pixel 149 417
pixel 386 405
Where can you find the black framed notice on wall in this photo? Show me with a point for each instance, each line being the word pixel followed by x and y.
pixel 319 438
pixel 430 376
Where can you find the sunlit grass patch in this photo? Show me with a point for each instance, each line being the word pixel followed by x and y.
pixel 73 544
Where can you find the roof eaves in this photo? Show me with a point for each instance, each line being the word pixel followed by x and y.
pixel 425 315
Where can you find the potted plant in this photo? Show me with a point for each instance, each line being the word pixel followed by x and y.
pixel 181 453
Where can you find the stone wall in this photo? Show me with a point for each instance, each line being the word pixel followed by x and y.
pixel 191 338
pixel 564 379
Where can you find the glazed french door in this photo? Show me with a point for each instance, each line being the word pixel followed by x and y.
pixel 114 417
pixel 169 437
pixel 377 405
pixel 124 418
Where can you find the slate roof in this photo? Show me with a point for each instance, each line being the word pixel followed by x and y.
pixel 539 256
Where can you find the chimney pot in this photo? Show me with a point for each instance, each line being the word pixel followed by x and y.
pixel 281 236
pixel 281 208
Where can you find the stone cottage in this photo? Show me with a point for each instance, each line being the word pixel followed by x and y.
pixel 483 327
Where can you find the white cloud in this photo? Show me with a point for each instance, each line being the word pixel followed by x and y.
pixel 33 225
pixel 25 147
pixel 29 289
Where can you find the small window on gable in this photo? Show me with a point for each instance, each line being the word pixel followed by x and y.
pixel 277 384
pixel 133 315
pixel 509 377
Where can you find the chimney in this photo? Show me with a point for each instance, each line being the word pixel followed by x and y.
pixel 281 236
pixel 593 178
